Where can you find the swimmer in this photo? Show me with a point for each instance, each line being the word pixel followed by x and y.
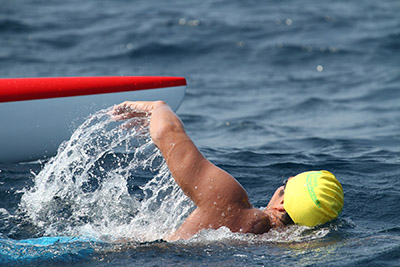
pixel 309 198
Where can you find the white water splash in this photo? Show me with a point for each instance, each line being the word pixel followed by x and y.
pixel 85 189
pixel 291 234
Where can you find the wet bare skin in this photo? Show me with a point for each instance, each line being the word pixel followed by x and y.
pixel 219 198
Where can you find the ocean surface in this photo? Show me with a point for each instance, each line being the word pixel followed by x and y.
pixel 274 88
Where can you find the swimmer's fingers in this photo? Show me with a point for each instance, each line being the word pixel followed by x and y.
pixel 130 109
pixel 137 123
pixel 125 116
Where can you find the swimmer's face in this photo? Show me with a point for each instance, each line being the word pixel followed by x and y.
pixel 276 202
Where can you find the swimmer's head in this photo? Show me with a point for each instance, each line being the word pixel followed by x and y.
pixel 313 198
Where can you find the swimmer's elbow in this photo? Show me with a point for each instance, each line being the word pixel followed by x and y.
pixel 164 130
pixel 166 127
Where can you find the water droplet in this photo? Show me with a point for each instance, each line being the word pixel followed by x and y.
pixel 182 21
pixel 240 44
pixel 194 22
pixel 288 22
pixel 333 49
pixel 320 68
pixel 129 46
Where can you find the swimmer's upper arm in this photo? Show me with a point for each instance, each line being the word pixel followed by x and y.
pixel 206 184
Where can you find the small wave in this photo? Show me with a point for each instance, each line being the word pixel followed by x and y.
pixel 14 26
pixel 158 48
pixel 380 95
pixel 60 40
pixel 392 42
pixel 313 104
pixel 389 41
pixel 284 54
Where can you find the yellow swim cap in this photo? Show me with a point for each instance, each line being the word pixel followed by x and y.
pixel 313 198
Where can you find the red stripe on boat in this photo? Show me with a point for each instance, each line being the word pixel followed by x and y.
pixel 20 89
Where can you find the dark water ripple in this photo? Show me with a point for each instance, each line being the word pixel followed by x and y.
pixel 14 26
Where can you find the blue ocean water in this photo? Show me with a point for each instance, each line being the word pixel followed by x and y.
pixel 274 88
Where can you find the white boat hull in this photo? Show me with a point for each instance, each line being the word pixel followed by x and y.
pixel 31 130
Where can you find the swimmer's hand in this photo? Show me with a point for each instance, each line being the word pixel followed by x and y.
pixel 129 109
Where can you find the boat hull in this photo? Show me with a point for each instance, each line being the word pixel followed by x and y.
pixel 33 129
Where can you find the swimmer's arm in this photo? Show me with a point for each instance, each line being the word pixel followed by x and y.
pixel 206 184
